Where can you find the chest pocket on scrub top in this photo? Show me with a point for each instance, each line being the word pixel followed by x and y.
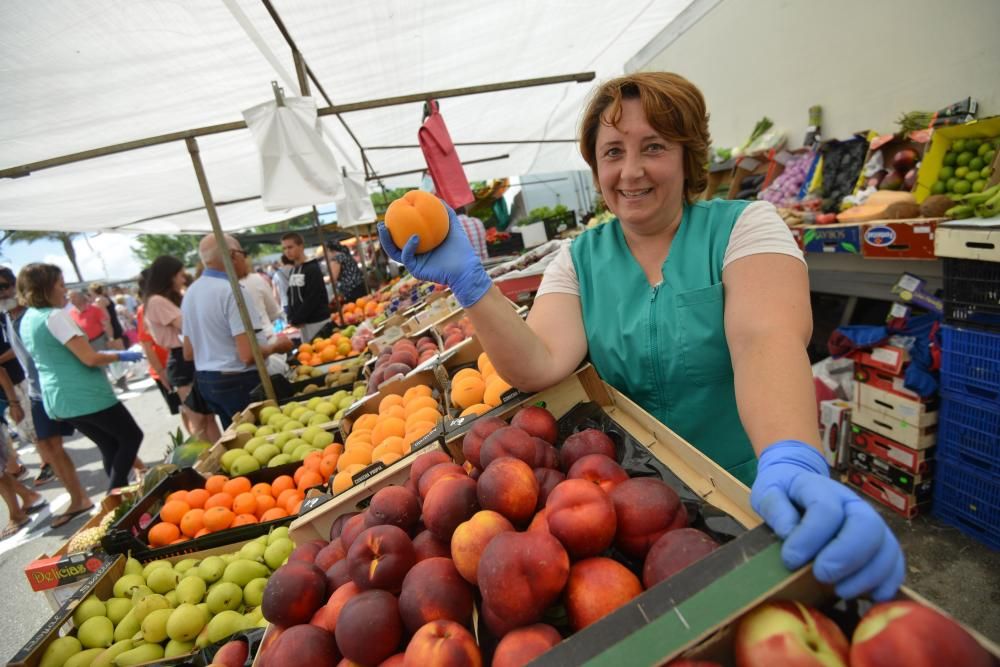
pixel 704 352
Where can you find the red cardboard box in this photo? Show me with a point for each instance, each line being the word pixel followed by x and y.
pixel 835 430
pixel 899 240
pixel 887 358
pixel 47 573
pixel 886 471
pixel 884 380
pixel 916 461
pixel 907 505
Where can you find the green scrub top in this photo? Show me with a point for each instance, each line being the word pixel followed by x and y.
pixel 665 346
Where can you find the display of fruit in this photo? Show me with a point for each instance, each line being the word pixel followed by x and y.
pixel 296 419
pixel 985 204
pixel 454 333
pixel 164 609
pixel 400 358
pixel 387 434
pixel 967 167
pixel 475 391
pixel 325 350
pixel 417 213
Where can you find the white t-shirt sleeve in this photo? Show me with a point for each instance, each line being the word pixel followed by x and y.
pixel 62 326
pixel 560 275
pixel 760 230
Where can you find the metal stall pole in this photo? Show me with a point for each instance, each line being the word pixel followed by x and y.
pixel 234 283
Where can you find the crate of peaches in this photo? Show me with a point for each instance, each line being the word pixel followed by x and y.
pixel 188 511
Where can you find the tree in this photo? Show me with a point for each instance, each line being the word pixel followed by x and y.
pixel 65 238
pixel 183 246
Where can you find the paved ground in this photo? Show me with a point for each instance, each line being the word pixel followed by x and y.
pixel 958 574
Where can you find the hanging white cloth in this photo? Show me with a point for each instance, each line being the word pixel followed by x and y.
pixel 355 207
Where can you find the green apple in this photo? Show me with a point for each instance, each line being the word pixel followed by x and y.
pixel 253 592
pixel 245 465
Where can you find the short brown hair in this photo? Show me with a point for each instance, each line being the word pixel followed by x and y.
pixel 35 283
pixel 674 107
pixel 293 236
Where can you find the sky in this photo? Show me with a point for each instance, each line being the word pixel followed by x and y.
pixel 100 256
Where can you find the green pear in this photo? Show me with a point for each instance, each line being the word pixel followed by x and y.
pixel 279 460
pixel 87 609
pixel 301 451
pixel 339 414
pixel 265 453
pixel 139 654
pixel 108 655
pixel 288 408
pixel 127 627
pixel 278 552
pixel 292 425
pixel 262 540
pixel 244 465
pixel 253 592
pixel 298 412
pixel 147 605
pixel 162 579
pixel 313 402
pixel 225 596
pixel 263 622
pixel 176 648
pixel 180 567
pixel 305 417
pixel 230 456
pixel 123 587
pixel 280 439
pixel 84 658
pixel 96 632
pixel 59 651
pixel 225 624
pixel 326 409
pixel 154 626
pixel 117 608
pixel 132 566
pixel 277 534
pixel 246 427
pixel 318 419
pixel 154 565
pixel 191 590
pixel 266 412
pixel 171 598
pixel 228 558
pixel 251 551
pixel 254 614
pixel 265 430
pixel 201 641
pixel 211 569
pixel 139 592
pixel 322 439
pixel 185 623
pixel 203 608
pixel 253 443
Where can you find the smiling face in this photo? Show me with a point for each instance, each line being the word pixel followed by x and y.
pixel 641 174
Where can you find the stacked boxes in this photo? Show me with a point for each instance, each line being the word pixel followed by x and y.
pixel 893 434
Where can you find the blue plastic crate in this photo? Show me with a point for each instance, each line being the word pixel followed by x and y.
pixel 969 432
pixel 970 363
pixel 969 498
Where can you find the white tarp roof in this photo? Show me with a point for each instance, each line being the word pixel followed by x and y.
pixel 82 75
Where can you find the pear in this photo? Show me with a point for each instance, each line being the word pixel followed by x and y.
pixel 253 443
pixel 123 587
pixel 322 439
pixel 108 655
pixel 162 579
pixel 203 608
pixel 245 465
pixel 241 572
pixel 96 632
pixel 84 658
pixel 265 430
pixel 139 592
pixel 225 624
pixel 181 567
pixel 191 590
pixel 139 654
pixel 148 605
pixel 225 596
pixel 267 412
pixel 229 458
pixel 253 592
pixel 59 651
pixel 154 626
pixel 277 534
pixel 127 627
pixel 171 598
pixel 317 419
pixel 87 609
pixel 117 608
pixel 185 623
pixel 246 427
pixel 153 565
pixel 279 460
pixel 265 453
pixel 278 552
pixel 262 540
pixel 132 566
pixel 252 551
pixel 176 648
pixel 211 569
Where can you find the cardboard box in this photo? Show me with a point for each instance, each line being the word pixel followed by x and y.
pixel 915 461
pixel 840 237
pixel 894 406
pixel 910 239
pixel 210 461
pixel 884 380
pixel 899 430
pixel 906 504
pixel 965 242
pixel 396 385
pixel 835 431
pixel 886 358
pixel 901 479
pixel 912 289
pixel 941 142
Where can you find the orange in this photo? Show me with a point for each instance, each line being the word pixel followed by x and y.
pixel 389 401
pixel 215 483
pixel 362 457
pixel 395 411
pixel 223 500
pixel 197 497
pixel 281 483
pixel 315 360
pixel 390 457
pixel 178 495
pixel 418 402
pixel 333 448
pixel 237 485
pixel 272 514
pixel 305 348
pixel 417 390
pixel 495 388
pixel 292 503
pixel 201 533
pixel 421 213
pixel 393 444
pixel 243 520
pixel 301 470
pixel 261 489
pixel 163 533
pixel 311 461
pixel 422 415
pixel 328 354
pixel 310 479
pixel 328 465
pixel 264 503
pixel 218 518
pixel 192 522
pixel 173 511
pixel 476 409
pixel 364 421
pixel 182 538
pixel 245 503
pixel 386 427
pixel 467 391
pixel 283 497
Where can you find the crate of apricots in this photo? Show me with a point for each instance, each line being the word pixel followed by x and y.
pixel 475 387
pixel 386 427
pixel 325 350
pixel 188 511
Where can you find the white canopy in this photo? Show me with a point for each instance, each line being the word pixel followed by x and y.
pixel 83 75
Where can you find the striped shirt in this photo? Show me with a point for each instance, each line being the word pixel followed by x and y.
pixel 476 232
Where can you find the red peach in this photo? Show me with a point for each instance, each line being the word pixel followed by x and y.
pixel 329 555
pixel 600 470
pixel 471 539
pixel 380 558
pixel 305 552
pixel 521 646
pixel 546 456
pixel 425 546
pixel 369 628
pixel 338 524
pixel 393 505
pixel 443 643
pixel 437 473
pixel 303 645
pixel 596 587
pixel 327 615
pixel 293 594
pixel 337 575
pixel 508 486
pixel 425 462
pixel 548 479
pixel 352 528
pixel 646 509
pixel 473 441
pixel 582 517
pixel 449 503
pixel 433 590
pixel 589 441
pixel 538 422
pixel 673 552
pixel 507 441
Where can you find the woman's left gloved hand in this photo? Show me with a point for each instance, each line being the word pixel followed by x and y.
pixel 819 518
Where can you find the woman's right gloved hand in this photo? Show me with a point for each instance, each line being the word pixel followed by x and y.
pixel 453 263
pixel 127 355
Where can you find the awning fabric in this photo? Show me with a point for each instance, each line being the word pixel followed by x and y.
pixel 82 75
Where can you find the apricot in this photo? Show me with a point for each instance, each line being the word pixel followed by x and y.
pixel 421 213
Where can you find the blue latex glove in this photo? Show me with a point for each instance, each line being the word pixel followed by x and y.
pixel 128 355
pixel 852 546
pixel 453 263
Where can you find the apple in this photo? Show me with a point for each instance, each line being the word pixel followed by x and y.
pixel 790 634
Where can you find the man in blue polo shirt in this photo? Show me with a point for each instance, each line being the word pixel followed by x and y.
pixel 214 336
